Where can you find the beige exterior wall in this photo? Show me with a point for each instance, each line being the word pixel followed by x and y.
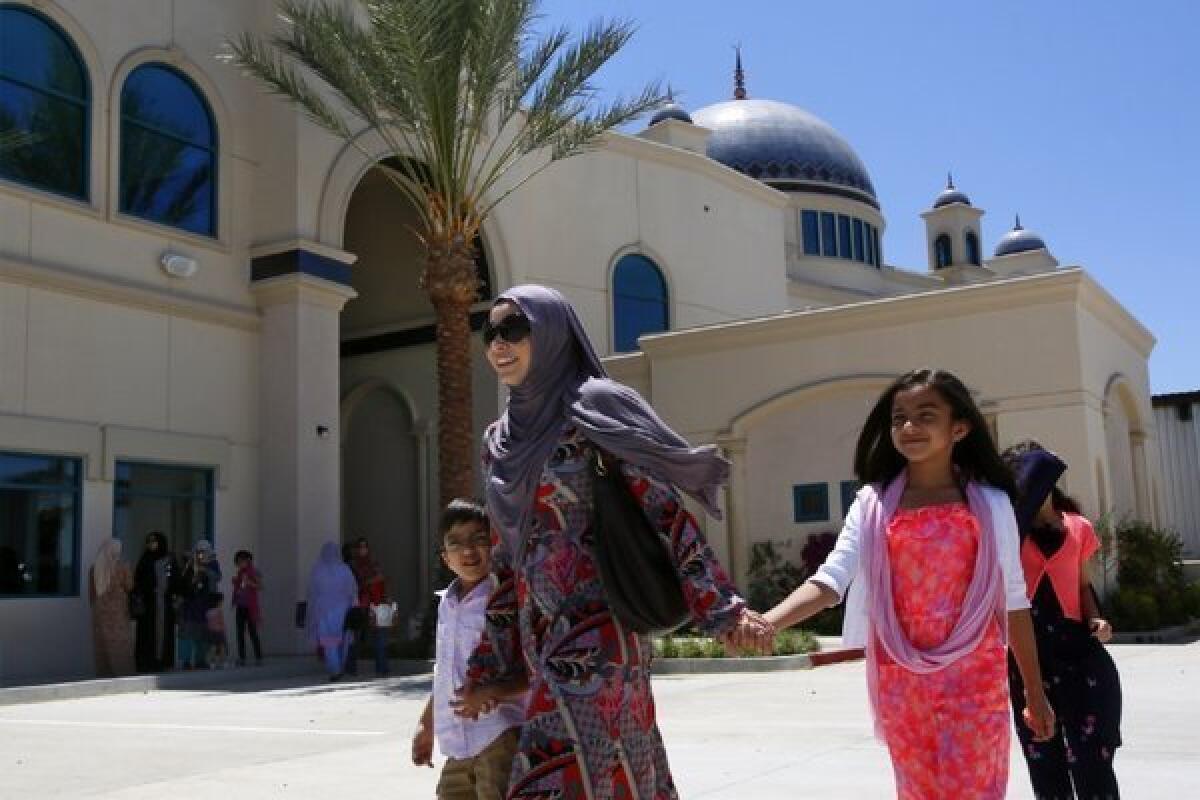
pixel 786 396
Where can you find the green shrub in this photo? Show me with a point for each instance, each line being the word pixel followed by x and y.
pixel 1153 590
pixel 772 577
pixel 794 641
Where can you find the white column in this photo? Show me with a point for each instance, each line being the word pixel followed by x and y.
pixel 735 510
pixel 300 466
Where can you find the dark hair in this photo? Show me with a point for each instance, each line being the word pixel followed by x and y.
pixel 159 537
pixel 1062 502
pixel 214 599
pixel 460 510
pixel 240 554
pixel 876 459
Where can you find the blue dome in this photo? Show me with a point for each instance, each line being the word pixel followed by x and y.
pixel 671 110
pixel 949 197
pixel 1019 240
pixel 785 147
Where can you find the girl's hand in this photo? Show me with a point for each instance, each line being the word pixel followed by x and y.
pixel 1038 716
pixel 1100 629
pixel 751 633
pixel 422 746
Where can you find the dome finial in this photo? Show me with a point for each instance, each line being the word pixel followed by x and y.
pixel 949 180
pixel 1017 224
pixel 739 77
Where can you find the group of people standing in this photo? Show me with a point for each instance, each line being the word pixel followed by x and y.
pixel 164 614
pixel 346 607
pixel 964 574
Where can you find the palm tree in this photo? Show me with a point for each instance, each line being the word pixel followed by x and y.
pixel 475 103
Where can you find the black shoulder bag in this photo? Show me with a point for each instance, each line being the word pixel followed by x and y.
pixel 639 578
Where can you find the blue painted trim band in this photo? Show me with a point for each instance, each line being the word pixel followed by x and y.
pixel 290 262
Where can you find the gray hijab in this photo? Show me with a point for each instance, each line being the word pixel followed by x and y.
pixel 567 385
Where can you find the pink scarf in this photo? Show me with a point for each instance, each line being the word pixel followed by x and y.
pixel 983 602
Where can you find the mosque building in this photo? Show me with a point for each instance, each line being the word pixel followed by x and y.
pixel 210 323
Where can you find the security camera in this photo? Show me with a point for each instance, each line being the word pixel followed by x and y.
pixel 179 266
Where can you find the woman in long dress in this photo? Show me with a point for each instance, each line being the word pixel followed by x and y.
pixel 590 729
pixel 109 585
pixel 332 591
pixel 154 589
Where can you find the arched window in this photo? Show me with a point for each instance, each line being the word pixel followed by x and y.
pixel 168 150
pixel 973 249
pixel 44 105
pixel 942 255
pixel 639 301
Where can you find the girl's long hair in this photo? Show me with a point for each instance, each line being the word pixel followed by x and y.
pixel 876 459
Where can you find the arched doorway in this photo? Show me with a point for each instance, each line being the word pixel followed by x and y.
pixel 388 368
pixel 1125 436
pixel 380 480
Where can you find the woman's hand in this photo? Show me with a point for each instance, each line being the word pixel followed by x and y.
pixel 1100 629
pixel 473 703
pixel 752 633
pixel 422 746
pixel 1038 715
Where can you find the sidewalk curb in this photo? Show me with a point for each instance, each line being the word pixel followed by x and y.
pixel 714 666
pixel 1172 635
pixel 199 680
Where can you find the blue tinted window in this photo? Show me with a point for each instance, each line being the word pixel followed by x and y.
pixel 848 489
pixel 878 252
pixel 972 248
pixel 812 244
pixel 39 525
pixel 859 250
pixel 942 254
pixel 810 502
pixel 168 150
pixel 828 234
pixel 44 102
pixel 639 301
pixel 844 249
pixel 178 501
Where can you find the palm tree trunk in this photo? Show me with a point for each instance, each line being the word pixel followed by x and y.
pixel 452 284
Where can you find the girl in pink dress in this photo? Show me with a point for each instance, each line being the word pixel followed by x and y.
pixel 929 558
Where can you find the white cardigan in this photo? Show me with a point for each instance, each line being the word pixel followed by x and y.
pixel 842 566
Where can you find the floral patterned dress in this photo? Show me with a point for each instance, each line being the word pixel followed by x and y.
pixel 590 728
pixel 948 731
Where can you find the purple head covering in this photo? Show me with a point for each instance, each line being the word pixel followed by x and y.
pixel 1036 473
pixel 567 385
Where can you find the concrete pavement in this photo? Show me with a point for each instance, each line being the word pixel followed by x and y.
pixel 729 737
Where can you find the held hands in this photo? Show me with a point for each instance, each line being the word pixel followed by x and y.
pixel 422 746
pixel 1038 715
pixel 474 702
pixel 1100 629
pixel 752 633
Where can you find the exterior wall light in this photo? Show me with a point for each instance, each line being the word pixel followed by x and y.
pixel 179 266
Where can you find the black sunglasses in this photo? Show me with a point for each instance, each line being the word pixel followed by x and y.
pixel 512 329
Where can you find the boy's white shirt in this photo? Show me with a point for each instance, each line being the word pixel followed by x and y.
pixel 841 570
pixel 460 628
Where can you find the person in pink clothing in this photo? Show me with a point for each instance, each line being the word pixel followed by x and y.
pixel 928 564
pixel 247 584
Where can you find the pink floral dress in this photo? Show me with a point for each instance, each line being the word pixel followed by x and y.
pixel 948 732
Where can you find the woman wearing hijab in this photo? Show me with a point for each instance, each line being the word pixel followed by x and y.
pixel 201 580
pixel 153 606
pixel 332 591
pixel 108 590
pixel 1081 679
pixel 590 728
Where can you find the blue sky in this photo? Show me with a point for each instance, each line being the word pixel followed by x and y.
pixel 1084 117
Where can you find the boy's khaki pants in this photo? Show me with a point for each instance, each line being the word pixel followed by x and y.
pixel 484 777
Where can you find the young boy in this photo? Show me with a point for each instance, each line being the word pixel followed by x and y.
pixel 247 583
pixel 479 751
